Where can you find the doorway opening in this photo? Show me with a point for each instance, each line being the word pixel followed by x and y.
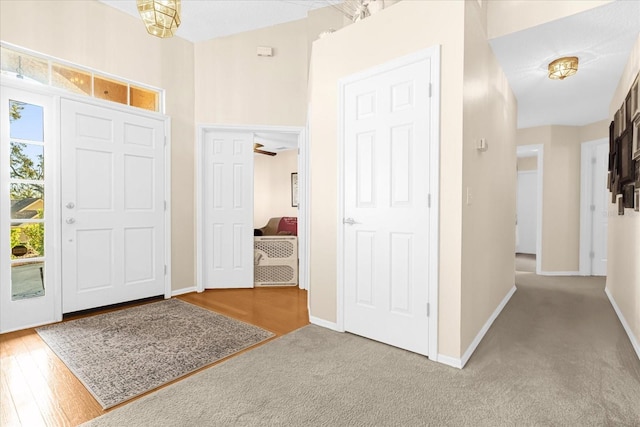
pixel 273 157
pixel 528 256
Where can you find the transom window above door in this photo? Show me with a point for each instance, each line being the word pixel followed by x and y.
pixel 45 70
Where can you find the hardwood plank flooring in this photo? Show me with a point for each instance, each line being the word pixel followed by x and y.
pixel 37 389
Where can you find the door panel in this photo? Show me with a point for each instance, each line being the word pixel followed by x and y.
pixel 228 210
pixel 386 206
pixel 112 206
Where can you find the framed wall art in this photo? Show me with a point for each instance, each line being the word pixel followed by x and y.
pixel 635 98
pixel 635 144
pixel 294 189
pixel 627 169
pixel 612 140
pixel 620 206
pixel 628 196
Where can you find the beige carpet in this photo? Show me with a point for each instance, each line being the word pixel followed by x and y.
pixel 122 354
pixel 556 356
pixel 526 263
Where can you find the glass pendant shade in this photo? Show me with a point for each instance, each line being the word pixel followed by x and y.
pixel 562 68
pixel 161 17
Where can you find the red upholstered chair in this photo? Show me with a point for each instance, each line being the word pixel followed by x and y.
pixel 280 225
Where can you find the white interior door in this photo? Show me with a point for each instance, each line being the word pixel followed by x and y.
pixel 386 206
pixel 113 206
pixel 600 201
pixel 228 210
pixel 527 211
pixel 29 293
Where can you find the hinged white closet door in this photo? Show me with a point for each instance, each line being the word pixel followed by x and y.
pixel 112 206
pixel 228 210
pixel 386 206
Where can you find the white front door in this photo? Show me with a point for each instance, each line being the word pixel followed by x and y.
pixel 113 207
pixel 600 215
pixel 386 205
pixel 228 210
pixel 527 212
pixel 28 260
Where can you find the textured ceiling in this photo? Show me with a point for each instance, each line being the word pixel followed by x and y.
pixel 602 39
pixel 208 19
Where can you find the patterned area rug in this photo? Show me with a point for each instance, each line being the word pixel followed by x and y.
pixel 122 354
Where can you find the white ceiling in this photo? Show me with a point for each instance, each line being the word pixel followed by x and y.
pixel 208 19
pixel 601 38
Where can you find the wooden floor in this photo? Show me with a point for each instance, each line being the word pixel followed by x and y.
pixel 37 389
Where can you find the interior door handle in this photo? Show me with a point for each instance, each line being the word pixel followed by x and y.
pixel 350 221
pixel 70 220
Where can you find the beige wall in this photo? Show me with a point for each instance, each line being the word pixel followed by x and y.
pixel 505 17
pixel 527 163
pixel 623 267
pixel 272 186
pixel 235 86
pixel 405 28
pixel 92 34
pixel 488 221
pixel 561 189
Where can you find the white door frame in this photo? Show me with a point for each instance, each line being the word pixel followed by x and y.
pixel 586 215
pixel 536 150
pixel 56 218
pixel 303 231
pixel 433 54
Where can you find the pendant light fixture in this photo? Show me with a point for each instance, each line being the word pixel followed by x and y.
pixel 564 67
pixel 161 17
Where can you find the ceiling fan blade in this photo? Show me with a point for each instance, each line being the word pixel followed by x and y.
pixel 257 149
pixel 268 153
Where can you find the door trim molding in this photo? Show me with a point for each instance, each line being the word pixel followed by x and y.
pixel 433 54
pixel 536 150
pixel 167 210
pixel 201 131
pixel 586 216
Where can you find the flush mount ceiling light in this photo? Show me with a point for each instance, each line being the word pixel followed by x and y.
pixel 562 68
pixel 161 17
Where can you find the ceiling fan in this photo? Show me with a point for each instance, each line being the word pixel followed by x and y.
pixel 257 149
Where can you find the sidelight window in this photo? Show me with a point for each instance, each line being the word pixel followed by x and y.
pixel 26 194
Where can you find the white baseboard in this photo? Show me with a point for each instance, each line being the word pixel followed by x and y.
pixel 449 361
pixel 324 323
pixel 460 362
pixel 625 325
pixel 183 291
pixel 472 347
pixel 560 273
